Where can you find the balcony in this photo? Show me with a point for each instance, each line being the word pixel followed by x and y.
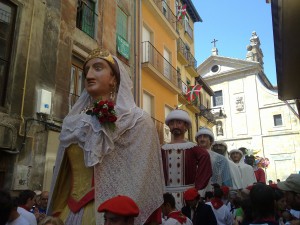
pixel 182 52
pixel 162 12
pixel 206 113
pixel 192 64
pixel 185 57
pixel 160 130
pixel 154 63
pixel 188 31
pixel 193 106
pixel 86 18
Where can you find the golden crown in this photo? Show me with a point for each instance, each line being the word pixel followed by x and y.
pixel 102 54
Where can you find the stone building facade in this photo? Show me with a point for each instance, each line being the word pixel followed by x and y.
pixel 255 117
pixel 43 44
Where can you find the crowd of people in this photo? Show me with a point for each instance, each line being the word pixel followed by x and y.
pixel 110 161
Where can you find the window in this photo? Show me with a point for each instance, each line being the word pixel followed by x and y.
pixel 148 103
pixel 167 110
pixel 147 47
pixel 122 24
pixel 165 8
pixel 85 20
pixel 7 24
pixel 218 98
pixel 167 65
pixel 76 82
pixel 214 68
pixel 277 120
pixel 176 7
pixel 187 27
pixel 123 47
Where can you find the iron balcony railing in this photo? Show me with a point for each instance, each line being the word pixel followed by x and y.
pixel 188 29
pixel 181 47
pixel 205 112
pixel 167 12
pixel 152 56
pixel 160 129
pixel 192 60
pixel 183 87
pixel 86 18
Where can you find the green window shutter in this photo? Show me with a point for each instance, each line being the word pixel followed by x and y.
pixel 122 23
pixel 88 18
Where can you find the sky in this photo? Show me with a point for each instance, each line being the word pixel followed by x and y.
pixel 232 22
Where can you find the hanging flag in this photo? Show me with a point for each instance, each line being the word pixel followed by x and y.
pixel 193 92
pixel 181 12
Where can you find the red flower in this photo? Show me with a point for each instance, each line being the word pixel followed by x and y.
pixel 110 105
pixel 112 118
pixel 102 119
pixel 101 103
pixel 105 113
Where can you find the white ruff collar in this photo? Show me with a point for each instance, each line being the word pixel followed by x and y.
pixel 179 146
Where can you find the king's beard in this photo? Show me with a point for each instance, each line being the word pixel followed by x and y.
pixel 176 132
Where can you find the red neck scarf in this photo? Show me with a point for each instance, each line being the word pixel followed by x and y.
pixel 266 219
pixel 177 215
pixel 216 203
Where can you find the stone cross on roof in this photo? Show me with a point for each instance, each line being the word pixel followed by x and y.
pixel 214 41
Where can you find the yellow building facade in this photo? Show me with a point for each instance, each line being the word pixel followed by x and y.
pixel 159 78
pixel 169 65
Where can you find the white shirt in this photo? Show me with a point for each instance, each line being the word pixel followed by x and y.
pixel 19 221
pixel 172 221
pixel 295 213
pixel 222 214
pixel 27 216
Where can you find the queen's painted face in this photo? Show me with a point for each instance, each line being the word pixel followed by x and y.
pixel 99 78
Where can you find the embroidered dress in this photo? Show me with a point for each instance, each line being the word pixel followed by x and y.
pixel 126 161
pixel 186 165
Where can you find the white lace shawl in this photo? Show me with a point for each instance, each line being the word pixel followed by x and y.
pixel 126 161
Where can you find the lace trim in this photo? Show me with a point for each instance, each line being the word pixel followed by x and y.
pixel 179 146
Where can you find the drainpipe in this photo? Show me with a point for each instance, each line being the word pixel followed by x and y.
pixel 137 44
pixel 26 70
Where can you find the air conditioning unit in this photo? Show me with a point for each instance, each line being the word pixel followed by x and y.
pixel 44 101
